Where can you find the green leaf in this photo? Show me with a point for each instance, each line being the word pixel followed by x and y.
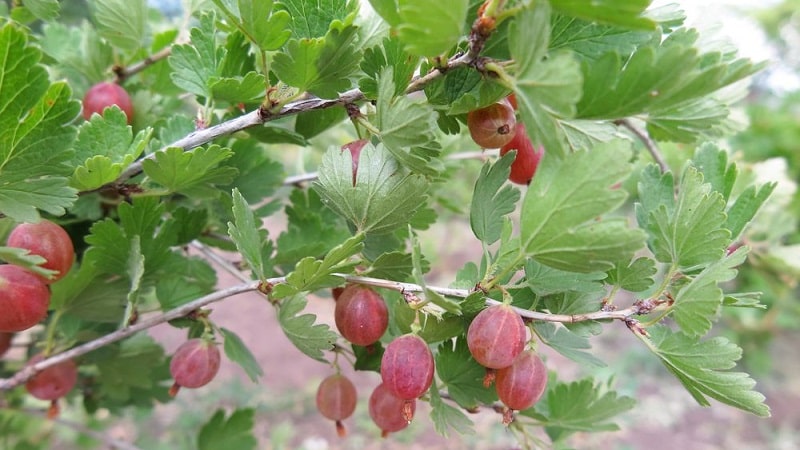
pixel 266 28
pixel 698 302
pixel 689 121
pixel 567 343
pixel 635 277
pixel 387 9
pixel 579 406
pixel 624 13
pixel 194 65
pixel 189 279
pixel 446 417
pixel 237 351
pixel 248 89
pixel 189 171
pixel 745 206
pixel 308 216
pixel 701 366
pixel 312 18
pixel 544 280
pixel 258 176
pixel 391 266
pixel 712 162
pixel 235 431
pixel 312 123
pixel 84 295
pixel 590 40
pixel 744 300
pixel 122 22
pixel 384 197
pixel 462 375
pixel 431 28
pixel 35 135
pixel 559 219
pixel 22 257
pixel 408 128
pixel 79 53
pixel 689 230
pixel 322 66
pixel 389 54
pixel 142 218
pixel 547 90
pixel 309 337
pixel 657 78
pixel 250 239
pixel 105 147
pixel 135 268
pixel 43 9
pixel 312 274
pixel 129 365
pixel 492 200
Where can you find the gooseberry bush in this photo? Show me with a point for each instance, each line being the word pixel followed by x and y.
pixel 156 143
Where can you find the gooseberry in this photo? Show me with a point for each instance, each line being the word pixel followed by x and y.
pixel 520 385
pixel 194 364
pixel 492 126
pixel 48 240
pixel 336 400
pixel 386 410
pixel 407 369
pixel 24 299
pixel 527 159
pixel 496 336
pixel 361 315
pixel 105 94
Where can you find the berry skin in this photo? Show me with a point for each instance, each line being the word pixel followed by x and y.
pixel 355 153
pixel 522 384
pixel 527 160
pixel 194 364
pixel 492 126
pixel 512 99
pixel 47 240
pixel 361 315
pixel 105 94
pixel 496 336
pixel 52 383
pixel 24 299
pixel 387 410
pixel 5 342
pixel 336 400
pixel 407 370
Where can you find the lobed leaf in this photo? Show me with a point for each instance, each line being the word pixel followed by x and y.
pixel 579 406
pixel 384 197
pixel 309 337
pixel 251 241
pixel 237 351
pixel 561 218
pixel 687 231
pixel 492 200
pixel 697 303
pixel 431 28
pixel 234 431
pixel 701 367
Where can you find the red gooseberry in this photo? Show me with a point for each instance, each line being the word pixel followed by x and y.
pixel 48 240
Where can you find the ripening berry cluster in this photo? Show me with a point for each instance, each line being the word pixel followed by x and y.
pixel 496 339
pixel 25 299
pixel 496 126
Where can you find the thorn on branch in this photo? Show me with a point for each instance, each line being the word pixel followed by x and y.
pixel 635 326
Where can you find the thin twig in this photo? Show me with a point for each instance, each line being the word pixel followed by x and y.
pixel 123 73
pixel 648 142
pixel 83 429
pixel 220 261
pixel 620 314
pixel 29 371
